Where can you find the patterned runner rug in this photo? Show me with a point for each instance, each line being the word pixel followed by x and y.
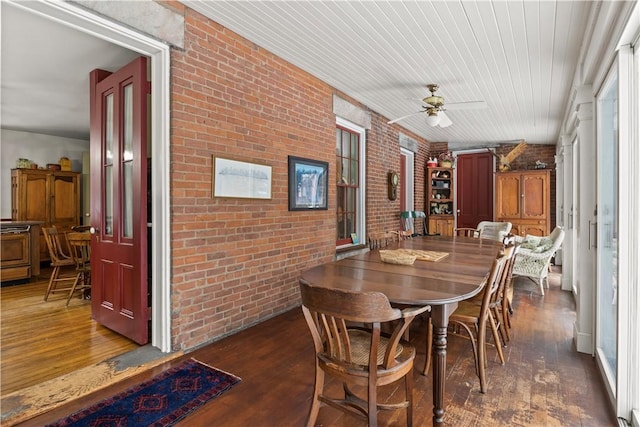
pixel 161 401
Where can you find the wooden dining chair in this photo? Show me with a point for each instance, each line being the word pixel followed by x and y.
pixel 358 356
pixel 466 232
pixel 80 248
pixel 382 239
pixel 404 234
pixel 475 316
pixel 59 281
pixel 506 309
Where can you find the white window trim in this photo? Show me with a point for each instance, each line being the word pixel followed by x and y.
pixel 409 170
pixel 361 205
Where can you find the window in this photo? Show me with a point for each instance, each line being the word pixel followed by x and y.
pixel 349 182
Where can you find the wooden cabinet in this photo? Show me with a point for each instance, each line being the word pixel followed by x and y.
pixel 19 250
pixel 52 197
pixel 523 198
pixel 439 200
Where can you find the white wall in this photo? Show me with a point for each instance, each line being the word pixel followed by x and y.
pixel 38 148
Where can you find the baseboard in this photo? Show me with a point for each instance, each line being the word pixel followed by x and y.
pixel 635 418
pixel 582 341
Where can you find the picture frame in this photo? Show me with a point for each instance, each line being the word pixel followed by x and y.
pixel 240 179
pixel 308 184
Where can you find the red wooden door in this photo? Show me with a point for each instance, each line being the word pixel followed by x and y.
pixel 119 297
pixel 474 190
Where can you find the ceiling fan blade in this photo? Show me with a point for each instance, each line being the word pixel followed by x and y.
pixel 445 121
pixel 470 105
pixel 404 117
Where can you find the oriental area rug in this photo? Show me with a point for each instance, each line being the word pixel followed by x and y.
pixel 161 401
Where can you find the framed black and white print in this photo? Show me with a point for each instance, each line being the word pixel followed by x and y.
pixel 238 179
pixel 308 184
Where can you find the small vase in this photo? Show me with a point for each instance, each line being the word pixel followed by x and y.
pixel 445 164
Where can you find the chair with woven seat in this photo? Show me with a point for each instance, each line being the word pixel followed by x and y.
pixel 466 232
pixel 493 230
pixel 534 257
pixel 80 249
pixel 382 239
pixel 59 261
pixel 358 355
pixel 476 315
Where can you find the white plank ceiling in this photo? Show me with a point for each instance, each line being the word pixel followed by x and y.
pixel 517 56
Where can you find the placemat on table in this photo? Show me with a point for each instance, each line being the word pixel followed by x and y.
pixel 421 255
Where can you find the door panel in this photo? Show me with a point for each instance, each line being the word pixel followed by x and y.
pixel 535 189
pixel 508 195
pixel 474 192
pixel 119 207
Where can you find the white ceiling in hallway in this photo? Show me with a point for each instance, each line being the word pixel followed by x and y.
pixel 517 56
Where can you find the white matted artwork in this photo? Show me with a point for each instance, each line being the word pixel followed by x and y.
pixel 238 179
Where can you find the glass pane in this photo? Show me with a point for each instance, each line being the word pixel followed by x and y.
pixel 108 165
pixel 108 200
pixel 108 133
pixel 127 164
pixel 608 228
pixel 127 153
pixel 127 202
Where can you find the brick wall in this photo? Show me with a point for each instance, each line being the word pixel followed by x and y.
pixel 236 262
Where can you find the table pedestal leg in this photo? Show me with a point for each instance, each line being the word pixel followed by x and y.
pixel 440 320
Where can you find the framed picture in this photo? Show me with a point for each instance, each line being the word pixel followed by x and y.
pixel 238 179
pixel 308 184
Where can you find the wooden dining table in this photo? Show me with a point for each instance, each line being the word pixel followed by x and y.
pixel 461 274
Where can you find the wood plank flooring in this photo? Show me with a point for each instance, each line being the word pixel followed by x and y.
pixel 43 340
pixel 545 382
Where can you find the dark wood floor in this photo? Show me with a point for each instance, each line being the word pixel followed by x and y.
pixel 545 382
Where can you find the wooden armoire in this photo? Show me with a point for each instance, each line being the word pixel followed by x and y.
pixel 52 197
pixel 523 199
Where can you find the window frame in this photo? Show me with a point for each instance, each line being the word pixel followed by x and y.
pixel 361 189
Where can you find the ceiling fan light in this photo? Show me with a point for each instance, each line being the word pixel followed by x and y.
pixel 433 119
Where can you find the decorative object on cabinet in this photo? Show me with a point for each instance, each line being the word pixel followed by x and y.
pixel 65 164
pixel 49 197
pixel 523 199
pixel 504 162
pixel 308 184
pixel 439 200
pixel 392 182
pixel 446 159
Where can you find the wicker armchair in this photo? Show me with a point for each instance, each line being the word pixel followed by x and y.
pixel 493 230
pixel 535 255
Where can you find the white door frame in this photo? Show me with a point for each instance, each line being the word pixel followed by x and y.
pixel 84 21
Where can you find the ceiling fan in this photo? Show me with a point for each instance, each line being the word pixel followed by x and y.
pixel 435 108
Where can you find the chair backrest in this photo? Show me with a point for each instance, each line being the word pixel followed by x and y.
pixel 509 242
pixel 80 248
pixel 56 252
pixel 557 235
pixel 382 239
pixel 495 281
pixel 327 312
pixel 404 234
pixel 493 230
pixel 466 232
